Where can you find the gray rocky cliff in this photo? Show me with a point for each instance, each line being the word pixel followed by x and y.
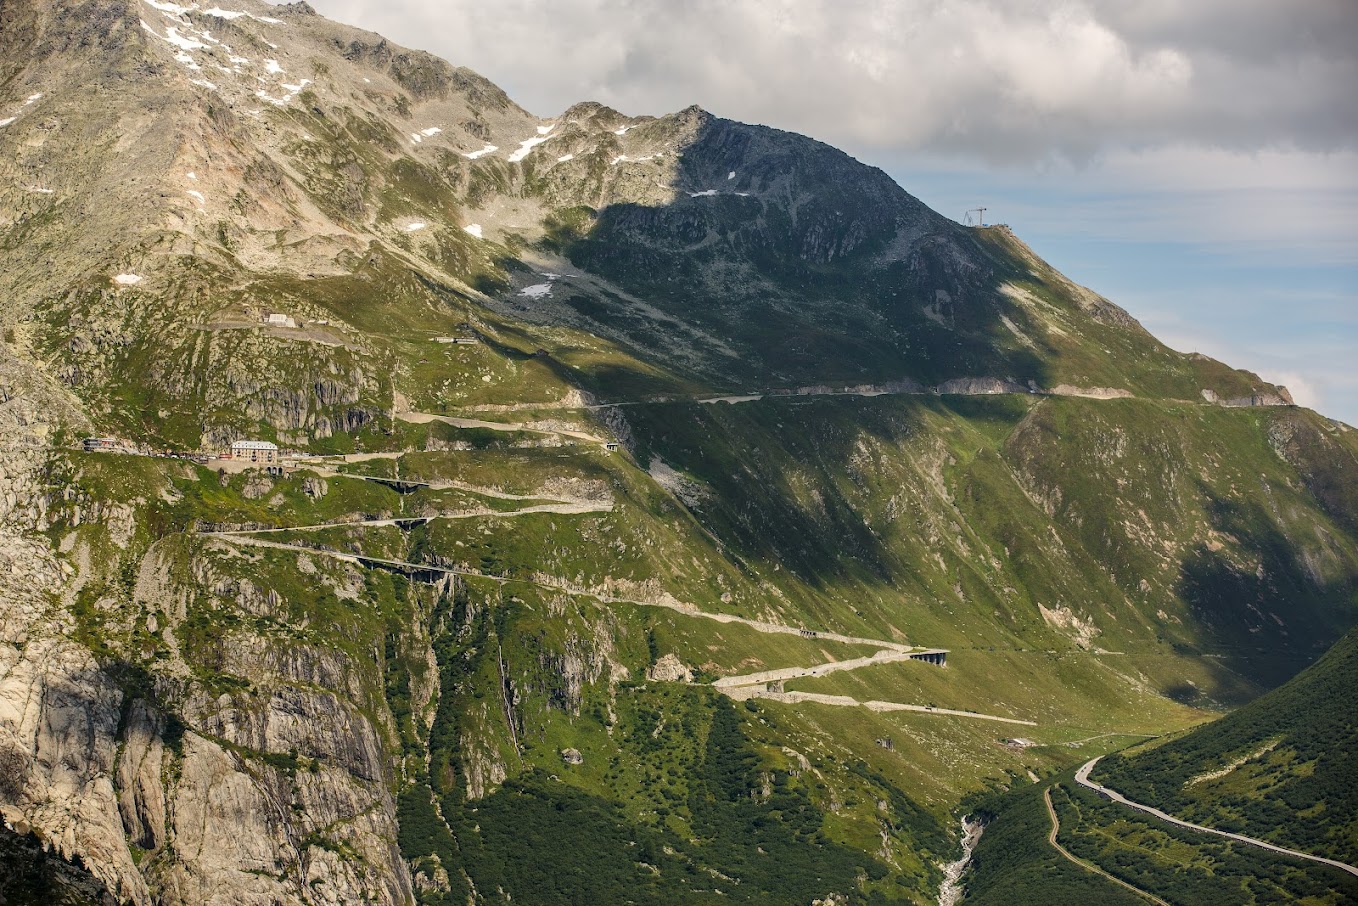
pixel 171 791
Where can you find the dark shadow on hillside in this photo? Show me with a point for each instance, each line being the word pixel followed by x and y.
pixel 778 472
pixel 31 872
pixel 782 262
pixel 1269 623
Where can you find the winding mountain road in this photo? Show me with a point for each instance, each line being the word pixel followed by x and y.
pixel 742 693
pixel 1087 866
pixel 1082 778
pixel 885 656
pixel 739 688
pixel 564 509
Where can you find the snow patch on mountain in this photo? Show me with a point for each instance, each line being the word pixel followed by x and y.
pixel 292 92
pixel 219 13
pixel 173 9
pixel 528 145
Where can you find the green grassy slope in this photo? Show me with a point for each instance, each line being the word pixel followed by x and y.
pixel 1015 863
pixel 1283 768
pixel 1159 531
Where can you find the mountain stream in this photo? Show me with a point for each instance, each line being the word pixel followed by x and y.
pixel 950 892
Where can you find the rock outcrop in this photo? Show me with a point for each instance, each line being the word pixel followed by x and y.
pixel 1277 396
pixel 669 669
pixel 979 386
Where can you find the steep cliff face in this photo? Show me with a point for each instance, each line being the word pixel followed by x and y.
pixel 601 409
pixel 60 719
pixel 173 783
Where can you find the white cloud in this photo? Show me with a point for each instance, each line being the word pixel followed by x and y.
pixel 1006 81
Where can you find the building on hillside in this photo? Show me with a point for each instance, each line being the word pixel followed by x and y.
pixel 255 451
pixel 101 445
pixel 279 319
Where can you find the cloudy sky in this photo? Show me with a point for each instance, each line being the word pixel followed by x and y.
pixel 1194 160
